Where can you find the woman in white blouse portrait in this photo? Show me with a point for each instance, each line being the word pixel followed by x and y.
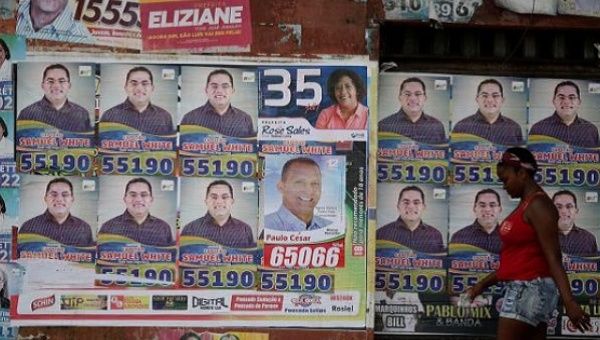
pixel 7 146
pixel 5 66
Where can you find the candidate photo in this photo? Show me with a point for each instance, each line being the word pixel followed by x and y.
pixel 564 120
pixel 574 236
pixel 483 232
pixel 67 213
pixel 9 207
pixel 230 216
pixel 416 107
pixel 12 49
pixel 5 63
pixel 141 110
pixel 347 92
pixel 488 121
pixel 409 226
pixel 51 20
pixel 7 145
pixel 223 100
pixel 144 208
pixel 303 193
pixel 67 96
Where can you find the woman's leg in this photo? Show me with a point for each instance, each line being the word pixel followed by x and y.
pixel 540 332
pixel 511 329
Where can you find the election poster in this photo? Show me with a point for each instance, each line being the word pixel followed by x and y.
pixel 473 252
pixel 9 215
pixel 312 132
pixel 10 286
pixel 563 131
pixel 313 103
pixel 217 124
pixel 7 132
pixel 50 204
pixel 410 277
pixel 196 26
pixel 578 232
pixel 488 116
pixel 414 116
pixel 55 105
pixel 137 226
pixel 137 131
pixel 98 22
pixel 12 50
pixel 218 233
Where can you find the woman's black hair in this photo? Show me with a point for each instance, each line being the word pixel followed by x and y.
pixel 335 77
pixel 519 158
pixel 5 48
pixel 3 209
pixel 4 128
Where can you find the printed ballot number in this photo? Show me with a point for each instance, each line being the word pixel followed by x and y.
pixel 6 102
pixel 409 282
pixel 304 256
pixel 108 12
pixel 406 5
pixel 283 91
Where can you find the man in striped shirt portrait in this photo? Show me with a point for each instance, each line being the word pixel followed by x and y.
pixel 50 20
pixel 57 223
pixel 409 230
pixel 488 122
pixel 217 224
pixel 565 124
pixel 55 109
pixel 137 111
pixel 483 232
pixel 411 120
pixel 218 114
pixel 136 222
pixel 574 240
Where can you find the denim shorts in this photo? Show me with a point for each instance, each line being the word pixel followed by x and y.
pixel 531 302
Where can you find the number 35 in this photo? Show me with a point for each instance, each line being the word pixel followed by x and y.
pixel 302 85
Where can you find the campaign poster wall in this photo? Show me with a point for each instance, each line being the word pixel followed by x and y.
pixel 528 112
pixel 161 241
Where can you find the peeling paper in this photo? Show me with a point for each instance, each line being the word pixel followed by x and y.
pixel 459 11
pixel 529 6
pixel 589 8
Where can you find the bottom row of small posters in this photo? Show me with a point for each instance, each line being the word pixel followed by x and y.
pixel 433 242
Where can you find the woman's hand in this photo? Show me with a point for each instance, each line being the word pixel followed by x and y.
pixel 474 291
pixel 577 316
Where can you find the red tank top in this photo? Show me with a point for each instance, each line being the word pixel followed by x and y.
pixel 521 255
